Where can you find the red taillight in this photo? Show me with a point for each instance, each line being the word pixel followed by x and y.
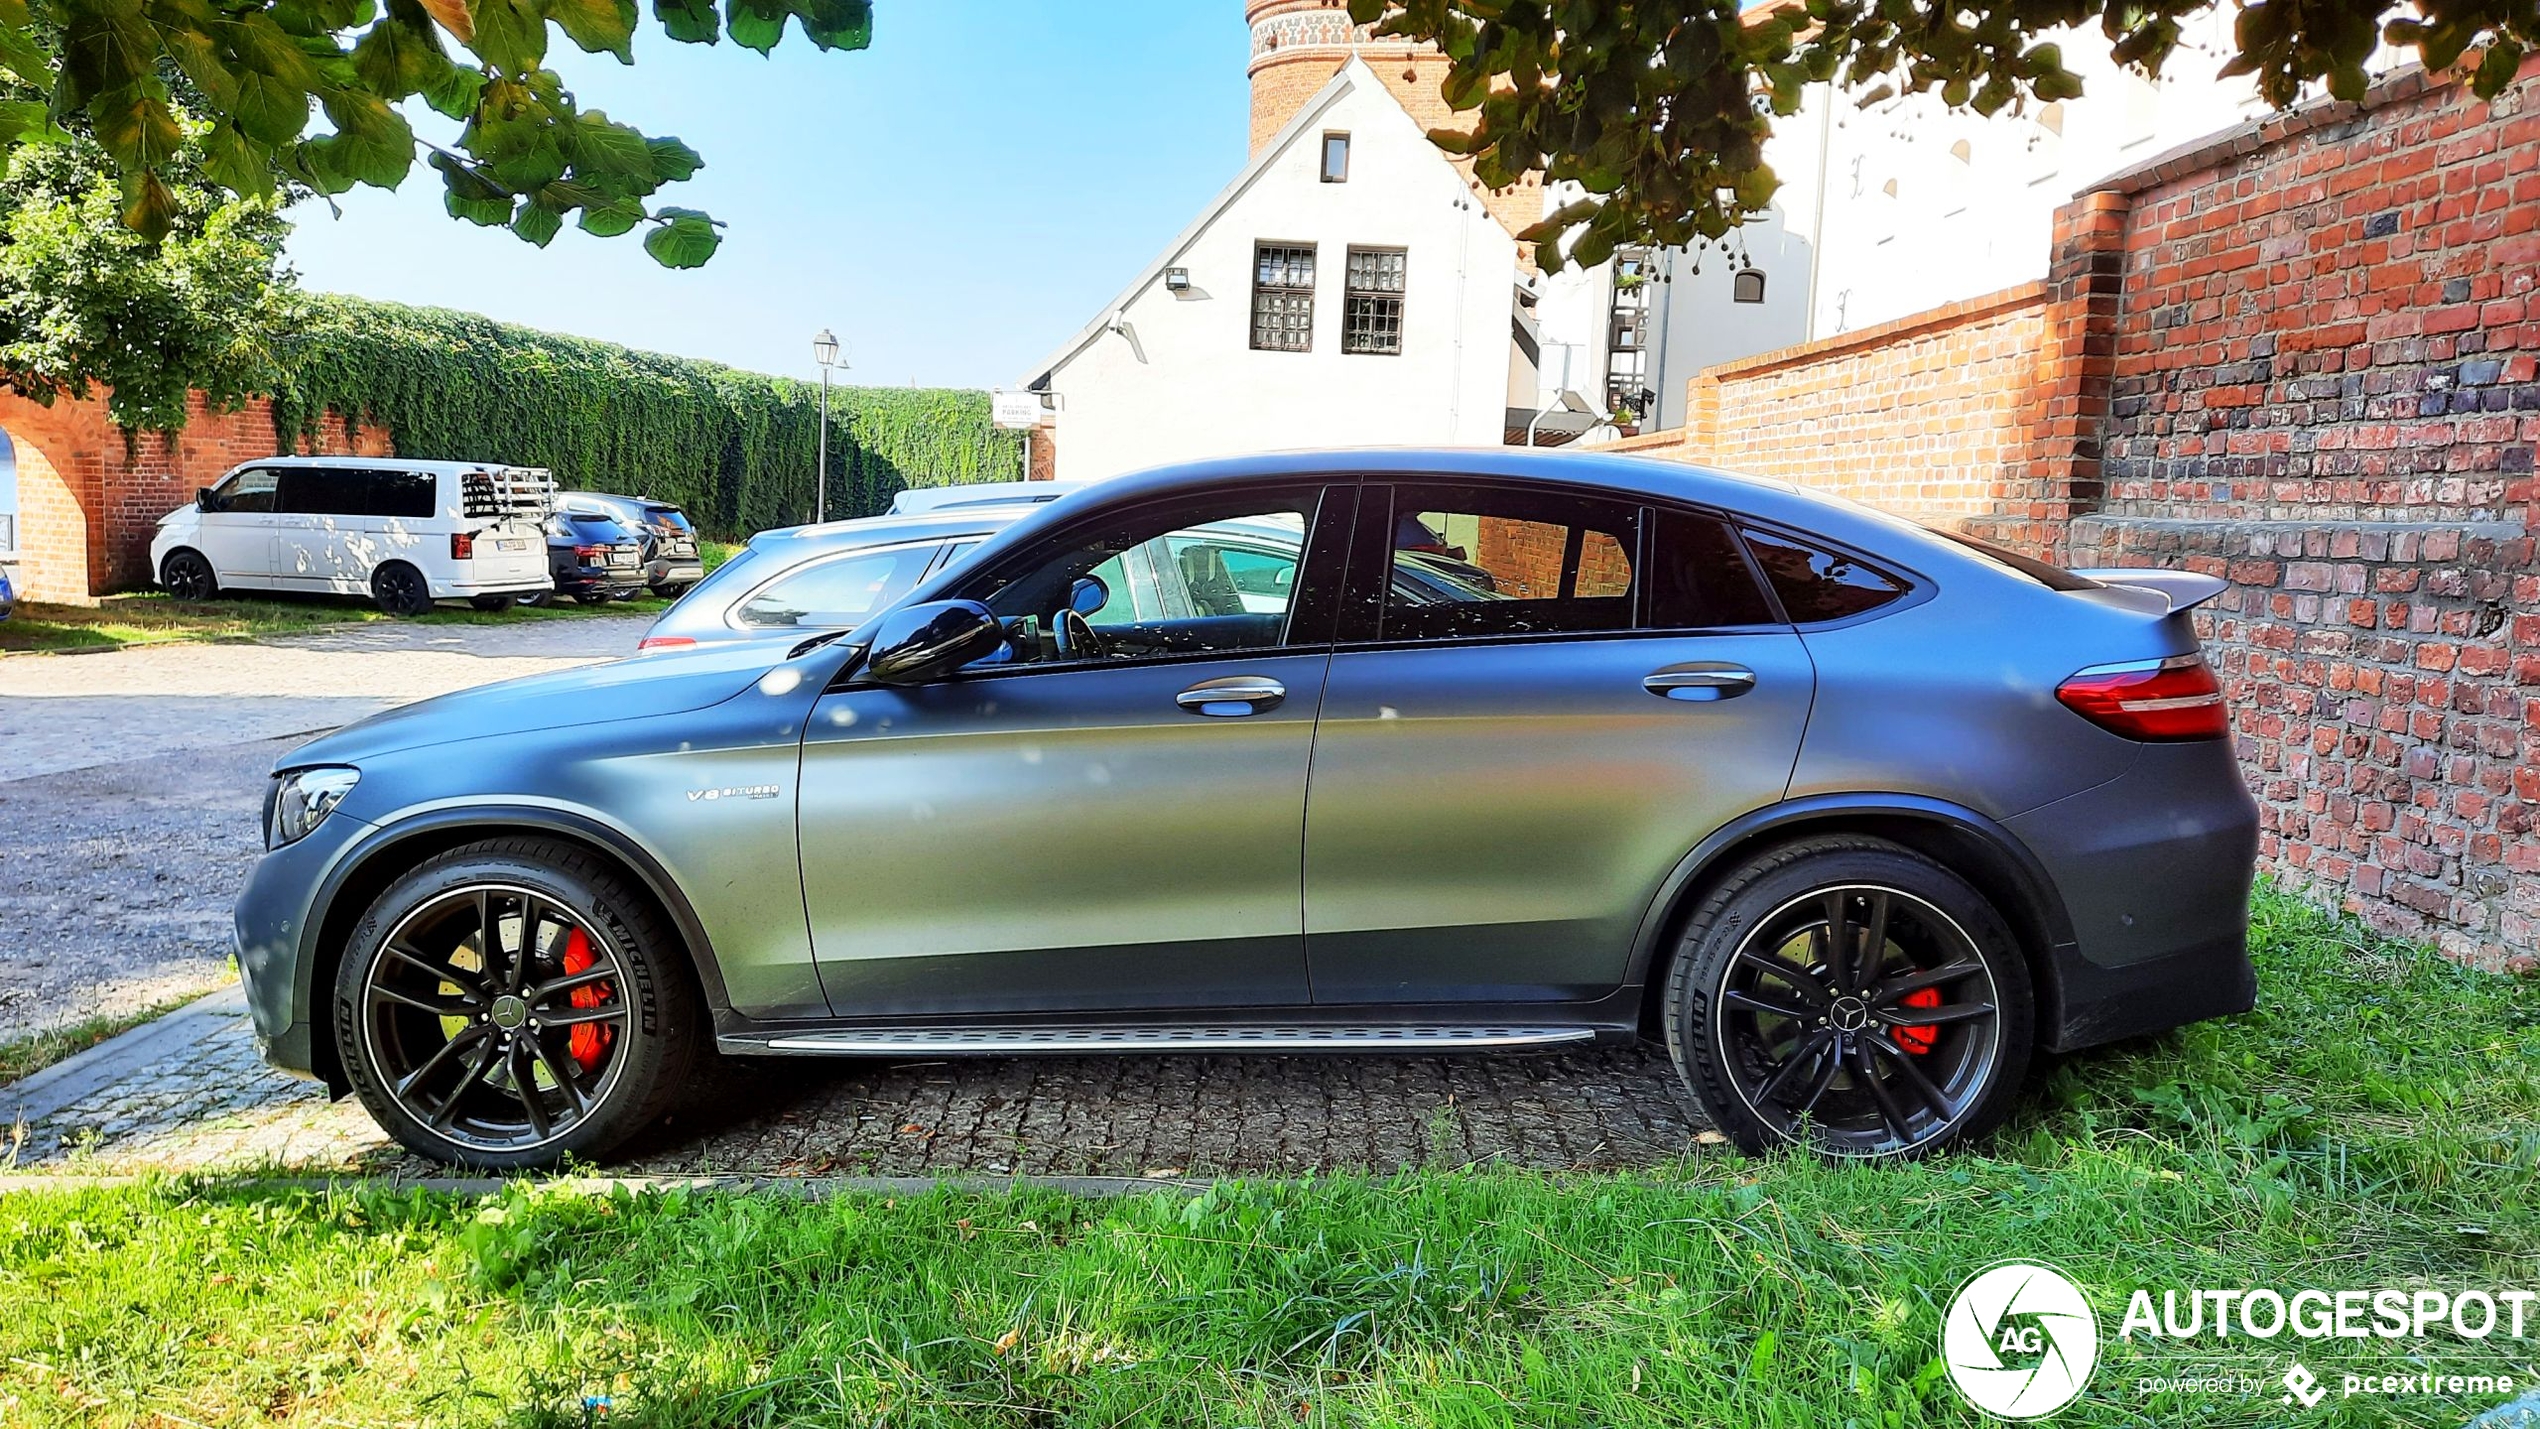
pixel 590 553
pixel 2171 699
pixel 663 642
pixel 462 545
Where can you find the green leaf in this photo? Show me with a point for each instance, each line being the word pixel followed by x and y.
pixel 269 110
pixel 756 24
pixel 608 149
pixel 395 60
pixel 237 163
pixel 610 219
pixel 837 24
pixel 689 21
pixel 28 121
pixel 684 238
pixel 598 26
pixel 135 125
pixel 22 56
pixel 673 161
pixel 538 224
pixel 510 34
pixel 149 205
pixel 455 90
pixel 470 195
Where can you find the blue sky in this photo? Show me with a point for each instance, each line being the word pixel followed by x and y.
pixel 953 201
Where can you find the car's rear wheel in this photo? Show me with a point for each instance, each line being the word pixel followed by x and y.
pixel 1848 994
pixel 593 597
pixel 188 576
pixel 672 590
pixel 400 589
pixel 514 1002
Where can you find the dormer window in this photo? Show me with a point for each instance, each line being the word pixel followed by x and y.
pixel 1336 158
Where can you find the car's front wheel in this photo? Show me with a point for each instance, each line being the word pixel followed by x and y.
pixel 1848 994
pixel 513 1002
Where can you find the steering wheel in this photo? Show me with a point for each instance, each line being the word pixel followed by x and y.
pixel 1076 637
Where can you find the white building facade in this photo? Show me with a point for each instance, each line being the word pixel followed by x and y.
pixel 1345 289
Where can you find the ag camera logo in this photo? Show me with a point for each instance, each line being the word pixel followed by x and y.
pixel 2019 1340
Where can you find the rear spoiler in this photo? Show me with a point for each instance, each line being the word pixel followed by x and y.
pixel 2181 590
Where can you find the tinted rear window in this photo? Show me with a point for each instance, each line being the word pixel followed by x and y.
pixel 1698 578
pixel 347 491
pixel 1816 584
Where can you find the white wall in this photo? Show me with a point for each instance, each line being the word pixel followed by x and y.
pixel 1191 386
pixel 1957 227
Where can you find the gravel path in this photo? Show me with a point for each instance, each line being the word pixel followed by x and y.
pixel 131 783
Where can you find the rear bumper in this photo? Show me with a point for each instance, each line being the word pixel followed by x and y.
pixel 2153 869
pixel 463 589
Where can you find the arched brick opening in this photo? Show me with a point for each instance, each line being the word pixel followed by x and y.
pixel 59 522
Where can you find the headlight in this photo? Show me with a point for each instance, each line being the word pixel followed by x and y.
pixel 302 798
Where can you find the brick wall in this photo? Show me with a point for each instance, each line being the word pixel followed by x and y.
pixel 89 495
pixel 2300 355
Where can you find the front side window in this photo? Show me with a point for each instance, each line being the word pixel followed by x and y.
pixel 248 491
pixel 1819 585
pixel 1473 562
pixel 835 594
pixel 1071 601
pixel 1371 313
pixel 1283 297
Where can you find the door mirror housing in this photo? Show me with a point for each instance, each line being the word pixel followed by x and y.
pixel 918 643
pixel 203 500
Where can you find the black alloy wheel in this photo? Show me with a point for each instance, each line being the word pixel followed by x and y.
pixel 186 575
pixel 511 1003
pixel 400 589
pixel 1852 996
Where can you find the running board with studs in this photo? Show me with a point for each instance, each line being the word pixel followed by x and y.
pixel 1013 1041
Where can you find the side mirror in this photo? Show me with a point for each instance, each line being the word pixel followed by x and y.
pixel 1088 595
pixel 203 499
pixel 918 643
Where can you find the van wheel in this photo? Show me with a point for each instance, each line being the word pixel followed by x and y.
pixel 187 576
pixel 514 1002
pixel 490 603
pixel 400 589
pixel 1847 994
pixel 593 598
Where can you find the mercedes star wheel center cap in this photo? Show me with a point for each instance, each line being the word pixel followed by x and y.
pixel 1849 1014
pixel 510 1012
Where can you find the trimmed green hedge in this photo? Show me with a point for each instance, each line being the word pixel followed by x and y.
pixel 737 449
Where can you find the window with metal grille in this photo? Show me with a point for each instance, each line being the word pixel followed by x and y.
pixel 1282 297
pixel 1371 306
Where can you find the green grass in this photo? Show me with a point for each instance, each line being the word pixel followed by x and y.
pixel 2376 1123
pixel 154 618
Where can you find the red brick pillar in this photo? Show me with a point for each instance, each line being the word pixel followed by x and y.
pixel 2067 401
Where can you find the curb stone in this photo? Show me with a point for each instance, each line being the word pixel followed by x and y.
pixel 38 1096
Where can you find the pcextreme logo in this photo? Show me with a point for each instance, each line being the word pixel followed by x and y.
pixel 2019 1340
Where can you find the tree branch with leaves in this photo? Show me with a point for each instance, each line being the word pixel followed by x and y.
pixel 260 72
pixel 1659 109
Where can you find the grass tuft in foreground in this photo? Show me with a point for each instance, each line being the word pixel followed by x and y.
pixel 2377 1123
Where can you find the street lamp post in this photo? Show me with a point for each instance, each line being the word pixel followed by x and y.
pixel 824 350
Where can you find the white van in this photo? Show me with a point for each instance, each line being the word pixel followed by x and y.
pixel 406 533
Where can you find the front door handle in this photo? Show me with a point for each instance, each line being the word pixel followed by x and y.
pixel 1232 695
pixel 1716 682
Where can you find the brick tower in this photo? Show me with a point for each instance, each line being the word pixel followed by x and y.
pixel 1297 45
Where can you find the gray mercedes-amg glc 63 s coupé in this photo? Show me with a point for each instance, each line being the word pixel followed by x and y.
pixel 1850 816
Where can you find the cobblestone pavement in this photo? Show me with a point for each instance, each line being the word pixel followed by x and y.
pixel 130 786
pixel 207 1103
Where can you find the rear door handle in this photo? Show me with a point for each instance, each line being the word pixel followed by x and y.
pixel 1717 682
pixel 1232 695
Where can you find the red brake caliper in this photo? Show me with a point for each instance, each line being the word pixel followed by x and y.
pixel 589 1041
pixel 1917 1040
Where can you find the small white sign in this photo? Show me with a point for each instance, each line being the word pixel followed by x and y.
pixel 1015 409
